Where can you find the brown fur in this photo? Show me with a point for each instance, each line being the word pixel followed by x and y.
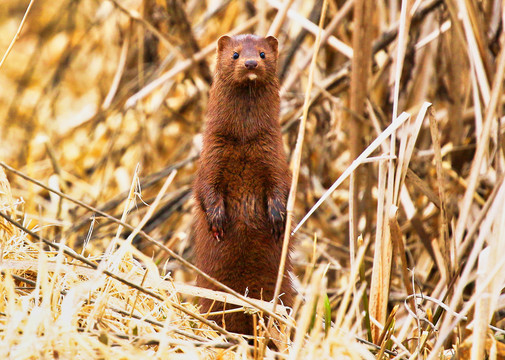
pixel 243 182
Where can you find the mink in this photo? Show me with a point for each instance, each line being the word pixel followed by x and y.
pixel 243 180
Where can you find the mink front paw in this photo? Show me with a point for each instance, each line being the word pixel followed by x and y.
pixel 216 218
pixel 277 216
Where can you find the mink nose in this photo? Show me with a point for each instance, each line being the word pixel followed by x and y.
pixel 250 64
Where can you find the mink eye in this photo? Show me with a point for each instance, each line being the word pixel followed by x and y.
pixel 235 55
pixel 262 55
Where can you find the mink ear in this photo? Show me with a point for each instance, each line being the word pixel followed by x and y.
pixel 272 41
pixel 222 42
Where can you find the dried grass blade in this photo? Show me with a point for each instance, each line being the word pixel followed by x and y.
pixel 316 288
pixel 497 208
pixel 366 153
pixel 447 246
pixel 379 288
pixel 313 28
pixel 343 308
pixel 16 36
pixel 485 305
pixel 360 73
pixel 482 146
pixel 279 18
pixel 397 238
pixel 473 50
pixel 297 155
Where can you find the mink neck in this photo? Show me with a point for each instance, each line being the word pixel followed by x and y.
pixel 242 112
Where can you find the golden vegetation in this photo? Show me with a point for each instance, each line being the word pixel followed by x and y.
pixel 402 106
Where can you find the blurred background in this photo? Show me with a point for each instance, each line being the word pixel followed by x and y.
pixel 78 113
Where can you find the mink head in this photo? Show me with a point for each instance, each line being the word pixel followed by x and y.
pixel 247 60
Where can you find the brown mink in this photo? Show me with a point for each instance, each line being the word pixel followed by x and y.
pixel 243 181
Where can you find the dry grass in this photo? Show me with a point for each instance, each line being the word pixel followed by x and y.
pixel 101 108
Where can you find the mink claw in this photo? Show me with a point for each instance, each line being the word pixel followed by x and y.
pixel 216 219
pixel 277 215
pixel 278 231
pixel 218 234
